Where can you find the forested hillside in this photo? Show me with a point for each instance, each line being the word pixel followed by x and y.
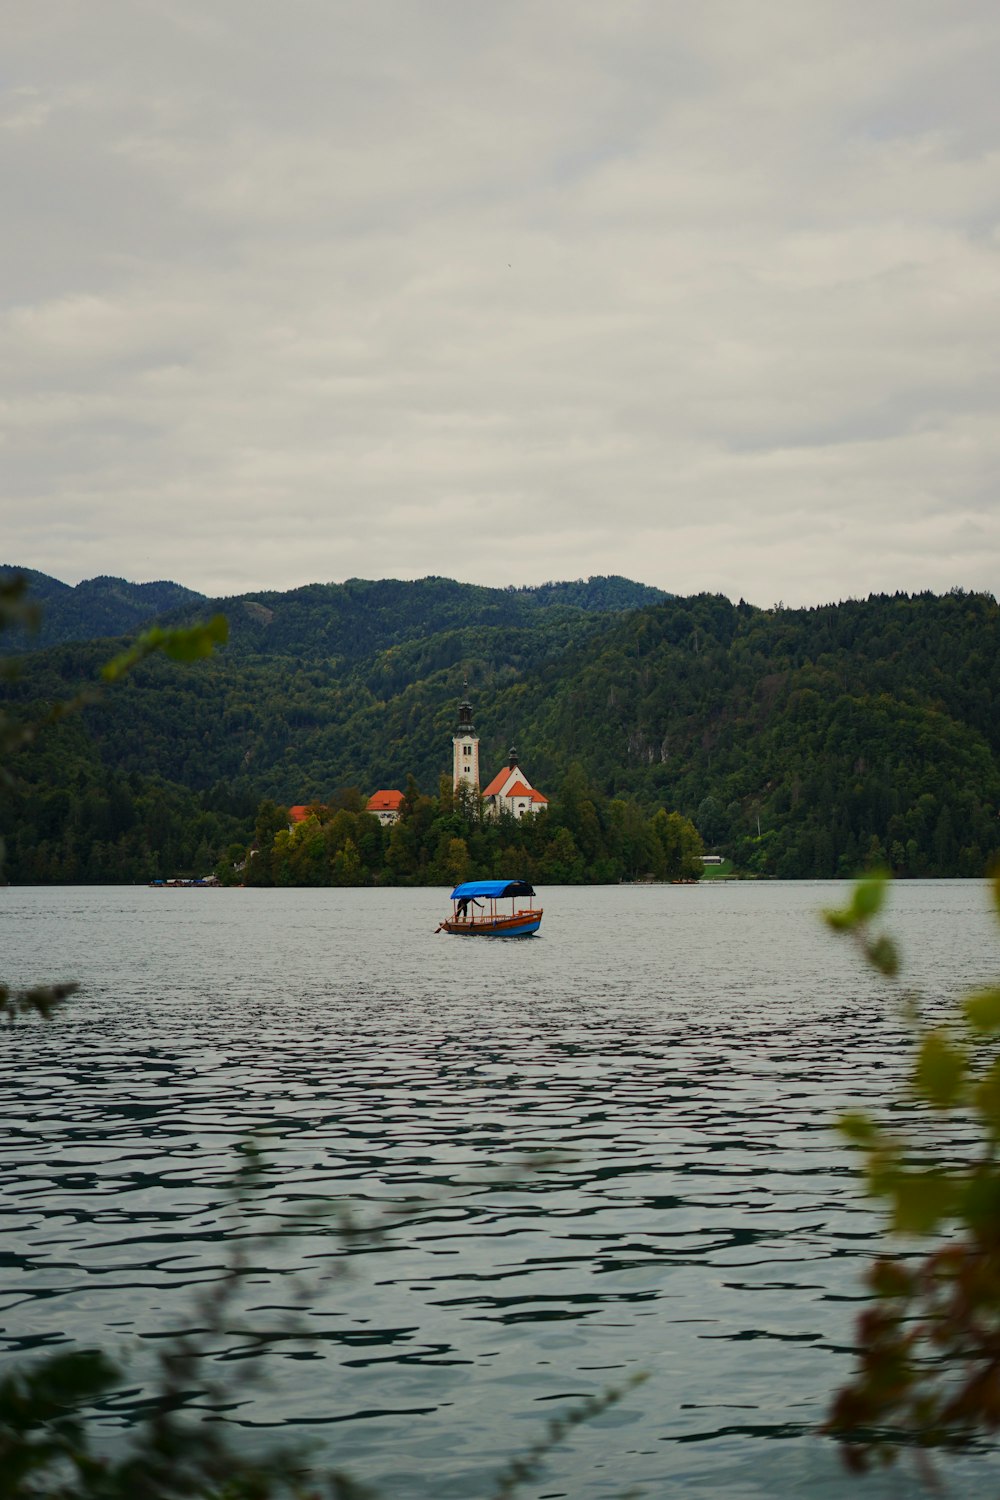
pixel 345 623
pixel 863 731
pixel 802 742
pixel 96 607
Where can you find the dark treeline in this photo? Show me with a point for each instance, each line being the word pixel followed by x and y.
pixel 799 742
pixel 580 838
pixel 67 820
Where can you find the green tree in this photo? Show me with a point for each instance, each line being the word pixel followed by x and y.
pixel 453 860
pixel 677 848
pixel 632 840
pixel 562 863
pixel 346 867
pixel 711 821
pixel 261 860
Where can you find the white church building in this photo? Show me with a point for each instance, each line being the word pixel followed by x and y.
pixel 509 791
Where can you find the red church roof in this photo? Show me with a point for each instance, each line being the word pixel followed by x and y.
pixel 384 802
pixel 519 790
pixel 520 787
pixel 298 814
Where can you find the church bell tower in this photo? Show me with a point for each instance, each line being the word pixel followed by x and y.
pixel 465 744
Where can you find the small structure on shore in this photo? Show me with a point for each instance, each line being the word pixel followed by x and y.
pixel 511 791
pixel 385 806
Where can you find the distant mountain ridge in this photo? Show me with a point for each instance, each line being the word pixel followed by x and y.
pixel 345 620
pixel 97 607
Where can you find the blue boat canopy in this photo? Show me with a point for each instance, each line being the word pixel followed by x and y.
pixel 492 889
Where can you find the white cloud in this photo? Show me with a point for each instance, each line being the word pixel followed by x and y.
pixel 705 295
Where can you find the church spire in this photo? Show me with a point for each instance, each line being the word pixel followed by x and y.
pixel 465 724
pixel 465 746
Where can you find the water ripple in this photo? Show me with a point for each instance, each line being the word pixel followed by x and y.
pixel 602 1151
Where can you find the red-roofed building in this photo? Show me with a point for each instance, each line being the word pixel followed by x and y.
pixel 511 791
pixel 497 785
pixel 385 806
pixel 297 815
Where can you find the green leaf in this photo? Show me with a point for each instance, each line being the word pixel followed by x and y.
pixel 868 899
pixel 982 1011
pixel 859 1128
pixel 883 1167
pixel 922 1200
pixel 198 641
pixel 884 955
pixel 188 643
pixel 940 1071
pixel 980 1205
pixel 986 1098
pixel 839 920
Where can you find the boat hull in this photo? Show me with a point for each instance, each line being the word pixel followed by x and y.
pixel 521 924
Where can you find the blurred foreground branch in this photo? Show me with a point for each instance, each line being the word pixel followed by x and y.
pixel 928 1371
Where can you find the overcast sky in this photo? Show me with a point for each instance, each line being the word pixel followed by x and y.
pixel 505 290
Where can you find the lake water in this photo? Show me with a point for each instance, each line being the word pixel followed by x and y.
pixel 670 1058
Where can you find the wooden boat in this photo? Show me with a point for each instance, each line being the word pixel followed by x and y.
pixel 474 910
